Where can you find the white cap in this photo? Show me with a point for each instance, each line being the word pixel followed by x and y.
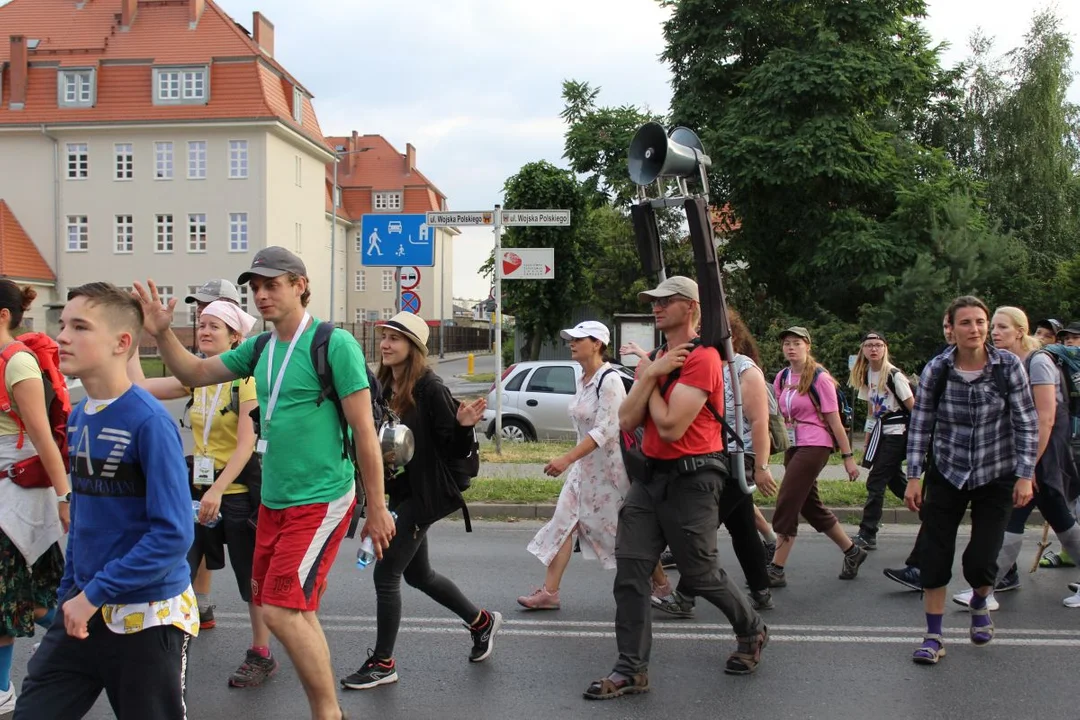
pixel 589 328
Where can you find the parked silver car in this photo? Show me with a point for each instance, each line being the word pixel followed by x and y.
pixel 536 400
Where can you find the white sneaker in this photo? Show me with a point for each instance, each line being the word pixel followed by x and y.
pixel 7 700
pixel 964 599
pixel 1073 601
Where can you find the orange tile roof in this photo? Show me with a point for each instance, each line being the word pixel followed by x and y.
pixel 382 167
pixel 19 257
pixel 245 83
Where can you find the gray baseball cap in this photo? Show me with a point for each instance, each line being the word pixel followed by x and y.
pixel 273 261
pixel 211 290
pixel 674 285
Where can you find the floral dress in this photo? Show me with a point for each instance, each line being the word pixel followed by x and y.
pixel 596 485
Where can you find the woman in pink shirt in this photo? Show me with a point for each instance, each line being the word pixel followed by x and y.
pixel 806 394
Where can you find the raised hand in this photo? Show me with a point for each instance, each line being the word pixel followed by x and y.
pixel 470 414
pixel 157 318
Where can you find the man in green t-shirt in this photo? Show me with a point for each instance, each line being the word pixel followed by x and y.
pixel 308 491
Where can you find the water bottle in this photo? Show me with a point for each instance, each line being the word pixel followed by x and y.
pixel 195 506
pixel 365 554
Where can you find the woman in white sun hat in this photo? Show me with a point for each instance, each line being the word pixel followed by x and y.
pixel 588 506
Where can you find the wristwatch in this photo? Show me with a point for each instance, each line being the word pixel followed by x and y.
pixel 64 498
pixel 763 468
pixel 846 456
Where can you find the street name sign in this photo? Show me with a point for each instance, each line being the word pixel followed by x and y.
pixel 450 219
pixel 535 218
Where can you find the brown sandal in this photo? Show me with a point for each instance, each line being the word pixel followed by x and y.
pixel 747 655
pixel 606 688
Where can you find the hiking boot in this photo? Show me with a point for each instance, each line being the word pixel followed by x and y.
pixel 777 579
pixel 770 550
pixel 372 673
pixel 852 561
pixel 540 599
pixel 1011 581
pixel 483 635
pixel 909 577
pixel 667 560
pixel 253 671
pixel 762 599
pixel 964 598
pixel 206 618
pixel 865 542
pixel 674 605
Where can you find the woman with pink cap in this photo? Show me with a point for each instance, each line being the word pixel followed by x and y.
pixel 588 506
pixel 225 473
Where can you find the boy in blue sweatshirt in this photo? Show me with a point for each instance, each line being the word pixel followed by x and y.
pixel 127 609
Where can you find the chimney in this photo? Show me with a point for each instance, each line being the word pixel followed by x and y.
pixel 19 62
pixel 127 13
pixel 195 11
pixel 410 158
pixel 354 145
pixel 263 31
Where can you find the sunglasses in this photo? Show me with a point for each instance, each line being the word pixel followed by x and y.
pixel 663 302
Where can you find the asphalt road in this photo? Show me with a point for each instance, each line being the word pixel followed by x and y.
pixel 839 649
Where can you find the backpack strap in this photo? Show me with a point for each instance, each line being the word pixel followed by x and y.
pixel 600 382
pixel 260 344
pixel 320 360
pixel 12 348
pixel 890 383
pixel 726 429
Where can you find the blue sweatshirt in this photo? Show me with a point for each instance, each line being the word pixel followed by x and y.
pixel 131 521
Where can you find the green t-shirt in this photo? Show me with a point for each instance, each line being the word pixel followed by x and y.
pixel 303 463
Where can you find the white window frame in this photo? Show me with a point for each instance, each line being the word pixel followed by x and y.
pixel 197 233
pixel 238 159
pixel 359 315
pixel 78 161
pixel 299 179
pixel 123 234
pixel 76 87
pixel 164 233
pixel 163 160
pixel 298 105
pixel 245 297
pixel 182 85
pixel 238 232
pixel 78 230
pixel 299 237
pixel 388 313
pixel 388 201
pixel 359 243
pixel 196 159
pixel 388 284
pixel 123 161
pixel 360 281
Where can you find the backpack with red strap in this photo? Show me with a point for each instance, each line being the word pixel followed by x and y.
pixel 30 473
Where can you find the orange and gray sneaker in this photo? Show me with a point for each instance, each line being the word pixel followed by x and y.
pixel 540 599
pixel 254 671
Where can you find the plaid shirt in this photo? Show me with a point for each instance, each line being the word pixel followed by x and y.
pixel 976 439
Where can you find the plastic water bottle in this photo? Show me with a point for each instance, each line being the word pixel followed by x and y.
pixel 195 506
pixel 365 554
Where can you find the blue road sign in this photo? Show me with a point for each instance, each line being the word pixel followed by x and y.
pixel 396 240
pixel 410 302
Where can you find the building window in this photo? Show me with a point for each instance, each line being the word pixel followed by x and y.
pixel 163 160
pixel 388 280
pixel 388 313
pixel 299 237
pixel 337 197
pixel 180 86
pixel 124 234
pixel 361 281
pixel 78 233
pixel 166 294
pixel 359 315
pixel 238 232
pixel 125 161
pixel 196 233
pixel 298 105
pixel 238 158
pixel 196 162
pixel 78 161
pixel 244 297
pixel 299 173
pixel 164 234
pixel 76 88
pixel 191 290
pixel 388 201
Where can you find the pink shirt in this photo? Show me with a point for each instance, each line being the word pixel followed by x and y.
pixel 799 411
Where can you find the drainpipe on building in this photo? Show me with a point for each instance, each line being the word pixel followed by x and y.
pixel 56 210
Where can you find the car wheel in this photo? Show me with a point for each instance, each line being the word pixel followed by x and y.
pixel 516 431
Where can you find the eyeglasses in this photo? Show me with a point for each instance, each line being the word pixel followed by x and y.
pixel 663 302
pixel 874 346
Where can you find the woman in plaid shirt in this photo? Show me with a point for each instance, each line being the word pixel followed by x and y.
pixel 975 415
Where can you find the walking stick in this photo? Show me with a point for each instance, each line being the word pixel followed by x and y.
pixel 1043 544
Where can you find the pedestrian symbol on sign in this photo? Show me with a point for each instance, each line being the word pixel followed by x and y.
pixel 373 243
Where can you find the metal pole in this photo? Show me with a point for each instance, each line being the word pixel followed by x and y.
pixel 442 298
pixel 498 330
pixel 333 238
pixel 397 275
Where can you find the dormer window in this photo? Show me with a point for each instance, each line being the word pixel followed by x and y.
pixel 75 88
pixel 298 105
pixel 181 86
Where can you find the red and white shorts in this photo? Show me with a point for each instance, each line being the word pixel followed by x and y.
pixel 295 548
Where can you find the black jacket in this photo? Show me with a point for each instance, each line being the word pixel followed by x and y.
pixel 439 439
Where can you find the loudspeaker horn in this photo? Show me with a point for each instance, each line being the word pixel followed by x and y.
pixel 654 154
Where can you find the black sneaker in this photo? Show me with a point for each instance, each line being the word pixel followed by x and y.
pixel 371 674
pixel 253 671
pixel 865 542
pixel 1011 581
pixel 667 560
pixel 909 577
pixel 777 579
pixel 762 599
pixel 770 550
pixel 674 605
pixel 483 635
pixel 852 561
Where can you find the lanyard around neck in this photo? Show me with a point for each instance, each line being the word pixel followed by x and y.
pixel 276 383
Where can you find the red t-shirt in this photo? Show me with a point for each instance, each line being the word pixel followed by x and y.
pixel 703 369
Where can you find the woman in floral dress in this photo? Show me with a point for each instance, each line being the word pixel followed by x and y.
pixel 588 507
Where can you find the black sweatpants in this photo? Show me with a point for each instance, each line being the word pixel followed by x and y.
pixel 233 531
pixel 887 473
pixel 143 674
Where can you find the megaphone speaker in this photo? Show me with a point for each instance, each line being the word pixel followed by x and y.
pixel 653 154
